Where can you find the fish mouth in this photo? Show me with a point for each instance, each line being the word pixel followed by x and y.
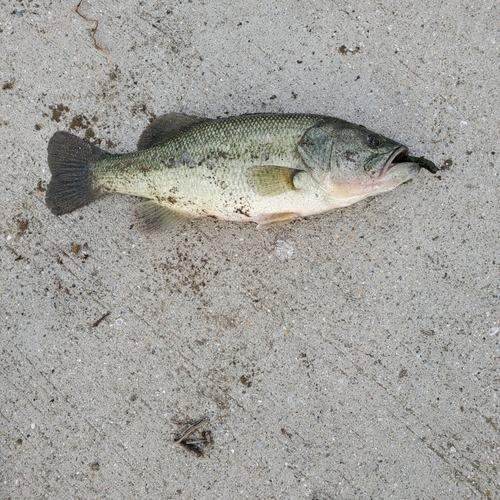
pixel 399 155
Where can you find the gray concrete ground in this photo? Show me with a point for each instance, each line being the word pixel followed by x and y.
pixel 349 355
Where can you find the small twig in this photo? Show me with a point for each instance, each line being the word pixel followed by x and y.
pixel 100 320
pixel 196 441
pixel 94 29
pixel 207 435
pixel 192 445
pixel 190 430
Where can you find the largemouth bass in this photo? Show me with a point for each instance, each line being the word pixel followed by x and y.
pixel 265 168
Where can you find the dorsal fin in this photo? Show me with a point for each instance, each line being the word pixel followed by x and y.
pixel 160 128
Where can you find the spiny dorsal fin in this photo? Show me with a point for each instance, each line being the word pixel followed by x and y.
pixel 160 128
pixel 270 180
pixel 155 217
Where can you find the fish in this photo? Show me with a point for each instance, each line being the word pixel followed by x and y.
pixel 267 168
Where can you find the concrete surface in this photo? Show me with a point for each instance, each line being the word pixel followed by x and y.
pixel 350 355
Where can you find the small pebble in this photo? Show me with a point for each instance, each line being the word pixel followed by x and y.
pixel 284 250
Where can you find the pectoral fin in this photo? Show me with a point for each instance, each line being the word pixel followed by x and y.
pixel 155 217
pixel 163 126
pixel 269 180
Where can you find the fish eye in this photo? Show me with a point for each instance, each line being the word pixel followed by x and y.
pixel 374 141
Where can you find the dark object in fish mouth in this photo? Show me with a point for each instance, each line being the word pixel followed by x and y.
pixel 423 163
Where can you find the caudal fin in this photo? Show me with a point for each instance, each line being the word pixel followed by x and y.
pixel 70 161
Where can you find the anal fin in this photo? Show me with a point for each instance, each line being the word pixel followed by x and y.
pixel 277 219
pixel 155 217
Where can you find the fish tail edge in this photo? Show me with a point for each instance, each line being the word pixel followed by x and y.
pixel 70 161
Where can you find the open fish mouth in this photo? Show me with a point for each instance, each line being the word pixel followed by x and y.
pixel 400 155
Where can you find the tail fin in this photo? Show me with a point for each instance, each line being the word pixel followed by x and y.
pixel 70 160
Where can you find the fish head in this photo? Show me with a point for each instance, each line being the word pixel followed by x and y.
pixel 351 162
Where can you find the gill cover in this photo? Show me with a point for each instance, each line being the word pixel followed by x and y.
pixel 344 152
pixel 315 148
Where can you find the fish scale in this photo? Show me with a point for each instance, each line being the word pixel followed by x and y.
pixel 205 165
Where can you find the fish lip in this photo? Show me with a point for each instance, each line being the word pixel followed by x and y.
pixel 398 154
